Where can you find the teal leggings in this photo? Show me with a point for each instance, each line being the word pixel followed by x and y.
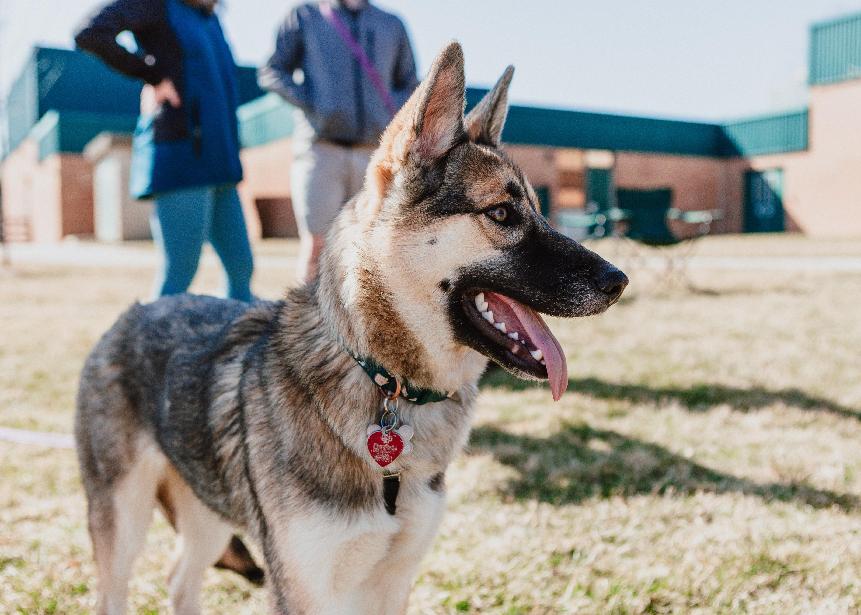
pixel 183 220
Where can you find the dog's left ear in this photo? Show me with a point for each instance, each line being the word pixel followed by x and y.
pixel 437 108
pixel 485 122
pixel 424 130
pixel 431 121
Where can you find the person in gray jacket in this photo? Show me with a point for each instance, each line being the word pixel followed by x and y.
pixel 357 70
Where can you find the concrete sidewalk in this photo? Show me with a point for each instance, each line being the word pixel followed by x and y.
pixel 37 438
pixel 90 254
pixel 827 264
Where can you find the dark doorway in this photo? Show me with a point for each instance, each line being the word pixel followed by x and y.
pixel 763 201
pixel 646 214
pixel 599 184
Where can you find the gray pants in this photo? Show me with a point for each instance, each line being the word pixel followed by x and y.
pixel 324 177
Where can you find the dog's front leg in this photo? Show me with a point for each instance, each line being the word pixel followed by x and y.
pixel 389 587
pixel 328 561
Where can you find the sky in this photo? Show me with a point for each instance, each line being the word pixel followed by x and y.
pixel 692 59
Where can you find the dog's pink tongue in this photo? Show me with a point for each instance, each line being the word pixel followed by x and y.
pixel 539 334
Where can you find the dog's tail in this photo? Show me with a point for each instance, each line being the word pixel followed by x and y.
pixel 236 558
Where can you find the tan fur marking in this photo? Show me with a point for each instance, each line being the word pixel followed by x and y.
pixel 400 351
pixel 168 509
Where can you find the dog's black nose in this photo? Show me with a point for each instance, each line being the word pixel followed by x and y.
pixel 611 282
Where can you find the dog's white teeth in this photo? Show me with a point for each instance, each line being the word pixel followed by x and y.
pixel 542 362
pixel 536 354
pixel 488 316
pixel 500 326
pixel 513 335
pixel 480 303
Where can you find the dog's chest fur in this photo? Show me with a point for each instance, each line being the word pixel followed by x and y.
pixel 266 419
pixel 358 551
pixel 287 412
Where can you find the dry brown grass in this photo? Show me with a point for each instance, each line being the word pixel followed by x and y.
pixel 705 458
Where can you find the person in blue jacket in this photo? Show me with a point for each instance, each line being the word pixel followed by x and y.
pixel 185 150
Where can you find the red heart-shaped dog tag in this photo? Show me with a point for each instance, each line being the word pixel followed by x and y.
pixel 385 447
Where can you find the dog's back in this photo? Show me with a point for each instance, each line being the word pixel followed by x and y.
pixel 155 353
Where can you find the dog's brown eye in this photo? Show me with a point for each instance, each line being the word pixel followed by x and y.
pixel 498 214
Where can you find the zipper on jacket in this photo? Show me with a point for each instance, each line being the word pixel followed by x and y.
pixel 196 129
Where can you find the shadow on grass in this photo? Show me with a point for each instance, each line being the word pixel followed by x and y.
pixel 695 398
pixel 579 462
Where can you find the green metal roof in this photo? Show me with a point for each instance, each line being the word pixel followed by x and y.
pixel 64 132
pixel 270 118
pixel 835 50
pixel 66 98
pixel 589 130
pixel 770 134
pixel 263 120
pixel 66 80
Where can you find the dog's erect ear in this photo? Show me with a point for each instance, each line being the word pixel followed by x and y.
pixel 437 107
pixel 424 130
pixel 485 122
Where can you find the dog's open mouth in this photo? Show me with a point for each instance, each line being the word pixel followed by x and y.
pixel 519 336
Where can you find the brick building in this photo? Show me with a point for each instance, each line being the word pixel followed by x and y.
pixel 794 171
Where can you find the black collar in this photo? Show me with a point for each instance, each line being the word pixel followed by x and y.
pixel 388 383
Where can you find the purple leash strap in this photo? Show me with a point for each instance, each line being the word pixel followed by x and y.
pixel 355 48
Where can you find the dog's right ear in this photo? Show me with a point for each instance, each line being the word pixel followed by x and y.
pixel 426 127
pixel 485 122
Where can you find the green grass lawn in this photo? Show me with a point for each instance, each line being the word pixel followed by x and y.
pixel 706 458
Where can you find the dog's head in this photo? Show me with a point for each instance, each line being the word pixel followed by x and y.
pixel 454 257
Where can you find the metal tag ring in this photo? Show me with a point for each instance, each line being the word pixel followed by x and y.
pixel 389 419
pixel 390 405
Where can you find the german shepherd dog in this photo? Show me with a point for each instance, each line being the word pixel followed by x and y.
pixel 266 418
